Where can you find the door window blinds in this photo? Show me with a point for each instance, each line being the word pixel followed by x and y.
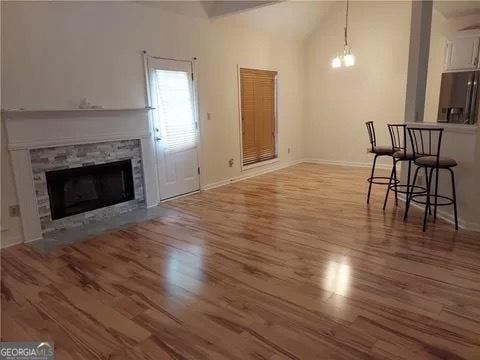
pixel 175 110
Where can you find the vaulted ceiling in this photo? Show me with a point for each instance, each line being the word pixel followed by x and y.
pixel 209 8
pixel 453 9
pixel 293 17
pixel 296 18
pixel 219 8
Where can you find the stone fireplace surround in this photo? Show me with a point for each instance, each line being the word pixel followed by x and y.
pixel 34 137
pixel 73 156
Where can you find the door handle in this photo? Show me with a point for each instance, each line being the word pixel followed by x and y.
pixel 157 138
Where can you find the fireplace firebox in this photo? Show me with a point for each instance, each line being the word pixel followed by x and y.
pixel 86 188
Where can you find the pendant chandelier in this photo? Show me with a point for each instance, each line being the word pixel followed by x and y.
pixel 347 59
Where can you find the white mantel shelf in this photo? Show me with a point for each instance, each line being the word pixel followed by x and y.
pixel 72 110
pixel 33 129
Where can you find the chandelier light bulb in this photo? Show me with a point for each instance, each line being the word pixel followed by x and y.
pixel 348 60
pixel 337 62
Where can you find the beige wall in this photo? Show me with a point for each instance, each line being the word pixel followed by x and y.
pixel 10 226
pixel 54 54
pixel 339 101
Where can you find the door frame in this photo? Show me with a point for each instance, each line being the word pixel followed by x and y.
pixel 196 114
pixel 277 140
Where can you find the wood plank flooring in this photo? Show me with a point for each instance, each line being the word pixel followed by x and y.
pixel 288 265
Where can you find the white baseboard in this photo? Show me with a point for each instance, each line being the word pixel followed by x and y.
pixel 252 173
pixel 348 163
pixel 179 196
pixel 278 166
pixel 442 214
pixel 11 242
pixel 446 216
pixel 32 240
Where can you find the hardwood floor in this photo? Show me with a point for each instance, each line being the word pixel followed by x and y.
pixel 288 265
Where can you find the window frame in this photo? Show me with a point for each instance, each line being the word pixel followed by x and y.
pixel 276 115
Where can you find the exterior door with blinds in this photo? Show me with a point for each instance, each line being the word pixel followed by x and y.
pixel 257 88
pixel 175 126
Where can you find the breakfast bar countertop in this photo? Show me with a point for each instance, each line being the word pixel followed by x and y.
pixel 451 127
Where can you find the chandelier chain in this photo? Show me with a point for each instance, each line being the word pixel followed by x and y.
pixel 346 59
pixel 346 23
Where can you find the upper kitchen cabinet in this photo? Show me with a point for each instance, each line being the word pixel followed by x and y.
pixel 462 54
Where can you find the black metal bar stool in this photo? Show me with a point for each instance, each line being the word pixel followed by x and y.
pixel 398 136
pixel 426 145
pixel 378 151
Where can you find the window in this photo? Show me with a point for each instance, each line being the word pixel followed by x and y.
pixel 174 106
pixel 257 88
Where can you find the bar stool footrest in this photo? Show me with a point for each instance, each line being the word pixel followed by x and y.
pixel 421 190
pixel 381 180
pixel 432 200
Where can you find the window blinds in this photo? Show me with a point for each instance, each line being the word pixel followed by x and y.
pixel 257 89
pixel 175 110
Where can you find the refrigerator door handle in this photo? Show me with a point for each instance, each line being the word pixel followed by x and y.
pixel 474 98
pixel 470 82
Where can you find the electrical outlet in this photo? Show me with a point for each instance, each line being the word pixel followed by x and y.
pixel 14 211
pixel 289 150
pixel 230 162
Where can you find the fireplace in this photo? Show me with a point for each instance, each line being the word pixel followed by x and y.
pixel 47 141
pixel 81 189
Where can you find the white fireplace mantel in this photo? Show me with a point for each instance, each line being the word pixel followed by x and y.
pixel 28 130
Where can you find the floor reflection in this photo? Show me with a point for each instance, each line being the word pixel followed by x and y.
pixel 337 278
pixel 184 269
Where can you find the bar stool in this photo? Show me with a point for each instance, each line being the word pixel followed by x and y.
pixel 398 136
pixel 378 151
pixel 426 145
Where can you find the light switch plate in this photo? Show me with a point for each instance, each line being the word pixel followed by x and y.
pixel 14 210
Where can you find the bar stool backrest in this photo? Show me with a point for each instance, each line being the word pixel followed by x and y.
pixel 371 134
pixel 398 135
pixel 426 141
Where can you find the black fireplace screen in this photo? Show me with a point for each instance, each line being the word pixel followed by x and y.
pixel 77 190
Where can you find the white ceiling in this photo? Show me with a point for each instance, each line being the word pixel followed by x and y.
pixel 188 8
pixel 296 18
pixel 453 9
pixel 206 8
pixel 219 7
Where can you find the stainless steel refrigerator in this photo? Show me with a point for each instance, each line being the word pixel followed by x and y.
pixel 459 95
